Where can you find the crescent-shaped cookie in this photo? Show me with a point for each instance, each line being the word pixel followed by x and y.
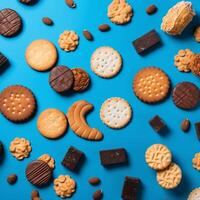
pixel 76 117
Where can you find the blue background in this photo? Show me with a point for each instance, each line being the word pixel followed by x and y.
pixel 136 137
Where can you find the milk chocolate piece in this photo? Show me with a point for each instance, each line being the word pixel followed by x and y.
pixel 113 157
pixel 157 123
pixel 73 159
pixel 197 128
pixel 130 188
pixel 146 42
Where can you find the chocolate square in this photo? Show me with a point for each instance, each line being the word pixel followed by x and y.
pixel 73 159
pixel 130 188
pixel 146 42
pixel 113 157
pixel 157 123
pixel 197 128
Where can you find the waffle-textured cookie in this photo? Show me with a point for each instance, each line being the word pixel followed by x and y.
pixel 158 157
pixel 151 85
pixel 170 177
pixel 194 195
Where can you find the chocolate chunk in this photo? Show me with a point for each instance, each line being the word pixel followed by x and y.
pixel 10 22
pixel 94 180
pixel 151 9
pixel 61 79
pixel 186 95
pixel 130 188
pixel 12 179
pixel 146 42
pixel 3 60
pixel 73 159
pixel 1 149
pixel 98 195
pixel 197 128
pixel 38 173
pixel 113 157
pixel 157 123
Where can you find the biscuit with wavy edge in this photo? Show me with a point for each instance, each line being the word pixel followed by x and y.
pixel 76 117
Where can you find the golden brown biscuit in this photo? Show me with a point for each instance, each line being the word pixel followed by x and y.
pixel 52 123
pixel 196 161
pixel 76 117
pixel 194 195
pixel 48 159
pixel 195 65
pixel 151 85
pixel 197 34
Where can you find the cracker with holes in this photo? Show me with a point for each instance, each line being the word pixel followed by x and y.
pixel 17 103
pixel 115 112
pixel 106 62
pixel 151 85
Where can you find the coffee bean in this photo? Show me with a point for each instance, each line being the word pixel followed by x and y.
pixel 185 125
pixel 94 180
pixel 34 194
pixel 104 27
pixel 98 195
pixel 11 179
pixel 47 21
pixel 87 35
pixel 70 3
pixel 151 9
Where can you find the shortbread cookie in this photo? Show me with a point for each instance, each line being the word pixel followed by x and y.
pixel 177 18
pixel 20 148
pixel 158 156
pixel 120 12
pixel 76 117
pixel 17 103
pixel 47 159
pixel 64 186
pixel 41 55
pixel 196 161
pixel 194 195
pixel 52 123
pixel 170 177
pixel 106 62
pixel 183 60
pixel 68 40
pixel 151 85
pixel 197 34
pixel 195 65
pixel 115 112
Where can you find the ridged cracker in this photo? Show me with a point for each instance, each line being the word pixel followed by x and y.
pixel 106 62
pixel 158 156
pixel 115 112
pixel 194 195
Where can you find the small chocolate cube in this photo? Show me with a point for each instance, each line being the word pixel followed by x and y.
pixel 73 159
pixel 113 157
pixel 146 42
pixel 157 123
pixel 130 188
pixel 197 128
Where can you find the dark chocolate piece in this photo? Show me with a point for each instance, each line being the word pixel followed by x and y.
pixel 113 157
pixel 197 128
pixel 157 123
pixel 146 42
pixel 73 159
pixel 130 188
pixel 186 95
pixel 3 60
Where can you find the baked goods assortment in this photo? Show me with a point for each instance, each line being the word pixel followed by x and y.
pixel 151 85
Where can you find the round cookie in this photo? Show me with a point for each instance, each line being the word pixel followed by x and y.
pixel 106 62
pixel 52 123
pixel 196 161
pixel 17 103
pixel 10 22
pixel 38 173
pixel 41 55
pixel 170 177
pixel 61 79
pixel 81 79
pixel 195 65
pixel 115 112
pixel 186 95
pixel 151 85
pixel 158 157
pixel 194 195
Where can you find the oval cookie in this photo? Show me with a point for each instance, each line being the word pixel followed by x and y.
pixel 115 112
pixel 106 62
pixel 151 85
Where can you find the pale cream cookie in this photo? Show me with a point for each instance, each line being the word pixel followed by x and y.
pixel 196 161
pixel 20 148
pixel 68 40
pixel 106 62
pixel 170 177
pixel 158 156
pixel 194 195
pixel 115 112
pixel 48 159
pixel 120 12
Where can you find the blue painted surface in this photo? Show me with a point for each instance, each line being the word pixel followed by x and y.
pixel 136 137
